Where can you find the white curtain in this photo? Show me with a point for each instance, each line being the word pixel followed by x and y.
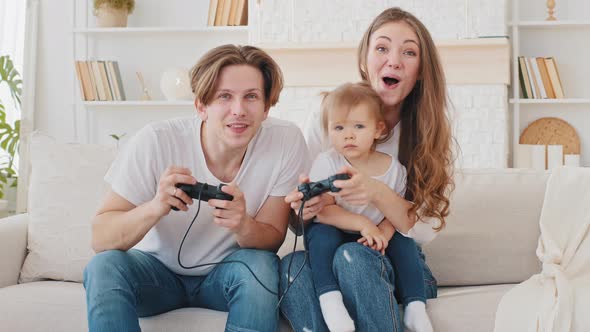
pixel 12 37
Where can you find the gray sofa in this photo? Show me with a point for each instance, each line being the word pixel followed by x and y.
pixel 487 247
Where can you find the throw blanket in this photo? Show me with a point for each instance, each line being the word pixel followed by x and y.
pixel 558 298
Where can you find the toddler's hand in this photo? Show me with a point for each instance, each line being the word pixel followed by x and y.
pixel 373 238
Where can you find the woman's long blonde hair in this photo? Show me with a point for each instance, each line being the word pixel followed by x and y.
pixel 425 140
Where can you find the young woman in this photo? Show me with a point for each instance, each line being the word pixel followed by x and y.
pixel 397 57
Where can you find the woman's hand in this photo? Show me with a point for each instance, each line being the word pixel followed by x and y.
pixel 311 207
pixel 167 195
pixel 231 214
pixel 359 189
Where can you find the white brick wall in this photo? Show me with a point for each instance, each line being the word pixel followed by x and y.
pixel 479 113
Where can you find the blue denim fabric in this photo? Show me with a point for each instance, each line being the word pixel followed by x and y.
pixel 366 280
pixel 122 286
pixel 408 269
pixel 323 240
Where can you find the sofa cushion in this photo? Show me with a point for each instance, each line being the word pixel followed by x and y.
pixel 66 187
pixel 61 306
pixel 492 230
pixel 466 309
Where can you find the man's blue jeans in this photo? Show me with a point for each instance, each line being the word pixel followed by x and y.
pixel 366 280
pixel 122 286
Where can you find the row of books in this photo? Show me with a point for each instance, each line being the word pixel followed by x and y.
pixel 539 78
pixel 100 80
pixel 228 12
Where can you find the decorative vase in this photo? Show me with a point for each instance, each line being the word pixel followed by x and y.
pixel 175 84
pixel 109 17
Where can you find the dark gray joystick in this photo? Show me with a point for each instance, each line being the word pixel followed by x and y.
pixel 203 192
pixel 313 189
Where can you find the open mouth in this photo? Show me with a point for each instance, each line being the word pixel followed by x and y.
pixel 389 81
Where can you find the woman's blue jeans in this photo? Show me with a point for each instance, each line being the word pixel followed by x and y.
pixel 366 280
pixel 323 240
pixel 122 286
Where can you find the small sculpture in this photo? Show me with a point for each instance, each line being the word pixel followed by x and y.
pixel 550 10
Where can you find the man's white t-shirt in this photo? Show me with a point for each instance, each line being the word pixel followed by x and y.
pixel 275 157
pixel 330 162
pixel 423 231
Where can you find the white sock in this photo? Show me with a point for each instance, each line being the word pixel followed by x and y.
pixel 415 317
pixel 335 314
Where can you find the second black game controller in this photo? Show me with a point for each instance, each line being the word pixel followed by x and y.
pixel 312 189
pixel 203 192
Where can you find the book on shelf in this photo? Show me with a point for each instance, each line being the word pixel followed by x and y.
pixel 227 12
pixel 545 78
pixel 99 80
pixel 532 78
pixel 523 75
pixel 232 12
pixel 242 14
pixel 219 12
pixel 106 86
pixel 84 80
pixel 102 94
pixel 539 78
pixel 554 77
pixel 538 81
pixel 212 11
pixel 92 80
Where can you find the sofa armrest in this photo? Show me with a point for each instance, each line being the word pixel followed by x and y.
pixel 13 247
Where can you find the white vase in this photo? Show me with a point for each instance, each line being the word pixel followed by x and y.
pixel 175 84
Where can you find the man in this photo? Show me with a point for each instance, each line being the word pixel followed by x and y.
pixel 140 269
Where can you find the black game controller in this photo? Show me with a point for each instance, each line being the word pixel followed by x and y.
pixel 206 192
pixel 313 189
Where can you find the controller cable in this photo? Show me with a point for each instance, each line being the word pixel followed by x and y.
pixel 289 281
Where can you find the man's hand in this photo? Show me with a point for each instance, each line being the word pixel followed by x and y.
pixel 168 195
pixel 231 214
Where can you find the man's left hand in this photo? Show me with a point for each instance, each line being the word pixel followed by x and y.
pixel 231 214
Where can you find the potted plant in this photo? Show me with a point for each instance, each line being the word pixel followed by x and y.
pixel 112 13
pixel 9 133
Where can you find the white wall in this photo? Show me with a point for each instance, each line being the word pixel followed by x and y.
pixel 480 112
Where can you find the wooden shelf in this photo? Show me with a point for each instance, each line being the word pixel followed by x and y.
pixel 138 103
pixel 551 101
pixel 208 29
pixel 552 24
pixel 317 46
pixel 330 64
